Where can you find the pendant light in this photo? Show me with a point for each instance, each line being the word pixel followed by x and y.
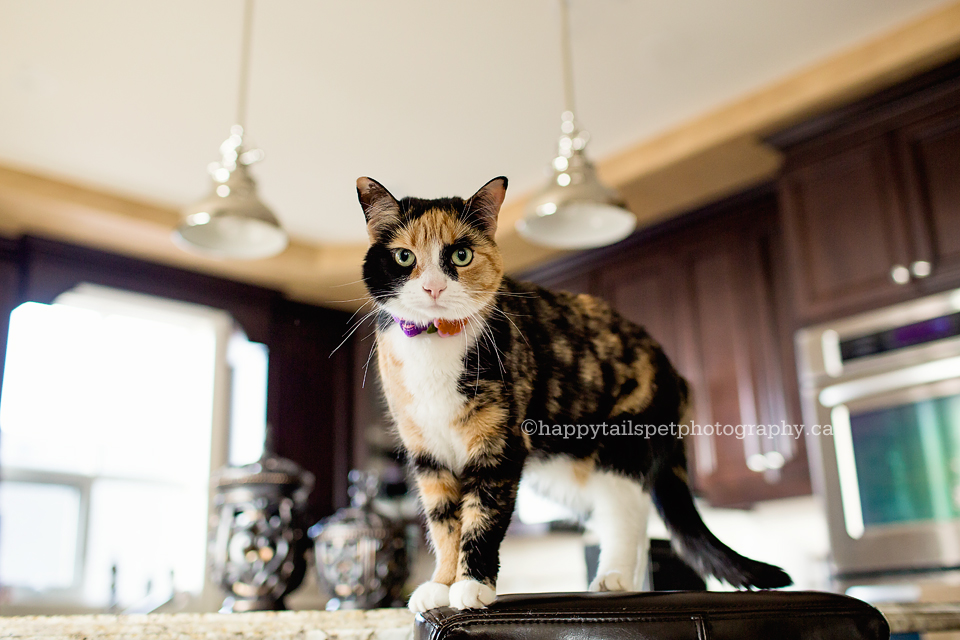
pixel 574 210
pixel 232 222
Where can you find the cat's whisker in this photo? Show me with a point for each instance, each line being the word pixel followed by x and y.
pixel 477 346
pixel 366 365
pixel 367 301
pixel 346 300
pixel 355 323
pixel 488 335
pixel 347 284
pixel 466 355
pixel 366 298
pixel 353 330
pixel 510 320
pixel 500 292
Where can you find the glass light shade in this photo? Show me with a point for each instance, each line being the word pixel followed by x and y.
pixel 575 210
pixel 232 222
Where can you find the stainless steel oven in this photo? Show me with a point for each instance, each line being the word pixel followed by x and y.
pixel 884 388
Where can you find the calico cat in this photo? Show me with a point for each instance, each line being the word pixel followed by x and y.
pixel 478 368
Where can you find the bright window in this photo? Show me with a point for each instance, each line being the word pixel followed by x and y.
pixel 114 407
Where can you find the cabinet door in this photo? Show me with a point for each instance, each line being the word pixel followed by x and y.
pixel 930 152
pixel 644 290
pixel 738 383
pixel 708 303
pixel 846 230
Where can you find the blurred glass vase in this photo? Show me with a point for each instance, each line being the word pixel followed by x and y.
pixel 258 544
pixel 360 554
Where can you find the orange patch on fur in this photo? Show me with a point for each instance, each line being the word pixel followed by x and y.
pixel 435 489
pixel 484 273
pixel 445 538
pixel 422 234
pixel 483 428
pixel 582 470
pixel 439 228
pixel 473 515
pixel 398 399
pixel 438 487
pixel 639 399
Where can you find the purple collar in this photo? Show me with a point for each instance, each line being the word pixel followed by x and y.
pixel 445 328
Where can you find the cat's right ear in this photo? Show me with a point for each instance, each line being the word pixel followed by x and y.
pixel 380 208
pixel 485 204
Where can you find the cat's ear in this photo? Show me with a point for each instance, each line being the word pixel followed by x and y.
pixel 380 208
pixel 484 205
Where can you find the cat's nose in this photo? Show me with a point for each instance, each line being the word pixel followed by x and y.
pixel 434 289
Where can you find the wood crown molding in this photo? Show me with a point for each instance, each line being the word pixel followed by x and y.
pixel 705 159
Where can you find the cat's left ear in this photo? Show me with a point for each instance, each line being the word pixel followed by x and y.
pixel 484 205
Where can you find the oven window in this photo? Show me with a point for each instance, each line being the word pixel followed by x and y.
pixel 908 461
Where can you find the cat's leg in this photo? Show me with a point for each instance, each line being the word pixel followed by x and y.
pixel 619 518
pixel 643 549
pixel 489 496
pixel 440 497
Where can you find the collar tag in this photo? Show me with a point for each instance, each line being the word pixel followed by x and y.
pixel 445 328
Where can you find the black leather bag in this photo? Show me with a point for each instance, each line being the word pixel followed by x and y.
pixel 676 615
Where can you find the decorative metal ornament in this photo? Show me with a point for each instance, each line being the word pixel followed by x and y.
pixel 574 210
pixel 361 556
pixel 258 544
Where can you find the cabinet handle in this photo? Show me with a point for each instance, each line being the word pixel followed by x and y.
pixel 900 274
pixel 921 268
pixel 761 462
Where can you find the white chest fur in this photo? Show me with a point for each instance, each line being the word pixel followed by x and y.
pixel 431 368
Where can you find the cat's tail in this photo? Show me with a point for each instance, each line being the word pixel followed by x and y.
pixel 698 546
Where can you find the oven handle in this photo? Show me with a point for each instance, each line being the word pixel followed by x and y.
pixel 928 372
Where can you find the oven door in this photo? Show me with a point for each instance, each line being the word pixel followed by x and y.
pixel 891 469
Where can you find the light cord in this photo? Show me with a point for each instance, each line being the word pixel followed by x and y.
pixel 247 32
pixel 566 55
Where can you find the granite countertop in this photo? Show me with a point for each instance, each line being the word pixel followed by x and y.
pixel 921 617
pixel 380 624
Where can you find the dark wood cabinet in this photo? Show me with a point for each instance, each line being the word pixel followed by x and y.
pixel 706 291
pixel 645 290
pixel 733 359
pixel 929 152
pixel 870 199
pixel 866 213
pixel 846 228
pixel 706 295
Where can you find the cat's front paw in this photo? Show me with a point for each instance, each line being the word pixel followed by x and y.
pixel 470 594
pixel 611 581
pixel 429 595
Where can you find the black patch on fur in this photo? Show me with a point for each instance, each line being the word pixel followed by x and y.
pixel 446 511
pixel 446 257
pixel 700 548
pixel 382 274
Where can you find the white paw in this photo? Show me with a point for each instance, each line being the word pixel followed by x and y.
pixel 429 595
pixel 470 594
pixel 611 581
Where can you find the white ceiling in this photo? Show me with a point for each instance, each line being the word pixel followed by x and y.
pixel 430 97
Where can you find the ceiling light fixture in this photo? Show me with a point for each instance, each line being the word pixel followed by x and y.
pixel 574 210
pixel 232 222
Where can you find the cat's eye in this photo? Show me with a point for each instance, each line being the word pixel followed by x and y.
pixel 462 257
pixel 404 257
